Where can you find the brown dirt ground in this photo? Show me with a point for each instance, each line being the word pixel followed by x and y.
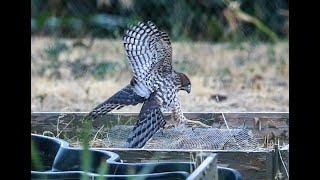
pixel 253 77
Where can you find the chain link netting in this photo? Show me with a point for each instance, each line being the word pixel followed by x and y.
pixel 181 137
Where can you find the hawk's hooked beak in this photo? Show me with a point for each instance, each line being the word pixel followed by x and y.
pixel 188 88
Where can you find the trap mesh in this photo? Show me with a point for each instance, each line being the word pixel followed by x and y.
pixel 183 137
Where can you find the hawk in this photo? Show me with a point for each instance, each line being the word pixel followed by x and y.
pixel 154 83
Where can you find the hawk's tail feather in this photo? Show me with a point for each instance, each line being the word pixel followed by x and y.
pixel 150 121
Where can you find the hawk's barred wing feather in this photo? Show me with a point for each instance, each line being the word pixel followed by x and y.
pixel 147 46
pixel 150 121
pixel 124 97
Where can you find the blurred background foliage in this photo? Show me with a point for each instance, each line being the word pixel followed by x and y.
pixel 186 20
pixel 233 49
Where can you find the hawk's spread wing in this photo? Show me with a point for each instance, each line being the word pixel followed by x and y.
pixel 147 47
pixel 150 121
pixel 124 97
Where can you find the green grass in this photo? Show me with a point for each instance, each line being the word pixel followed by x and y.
pixel 86 158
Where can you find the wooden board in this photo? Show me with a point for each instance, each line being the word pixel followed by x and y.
pixel 251 165
pixel 206 167
pixel 265 126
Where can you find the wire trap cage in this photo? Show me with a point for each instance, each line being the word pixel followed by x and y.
pixel 183 137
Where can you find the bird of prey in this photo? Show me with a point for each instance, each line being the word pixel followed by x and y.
pixel 154 83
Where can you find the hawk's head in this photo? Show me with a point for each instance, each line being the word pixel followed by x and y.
pixel 183 82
